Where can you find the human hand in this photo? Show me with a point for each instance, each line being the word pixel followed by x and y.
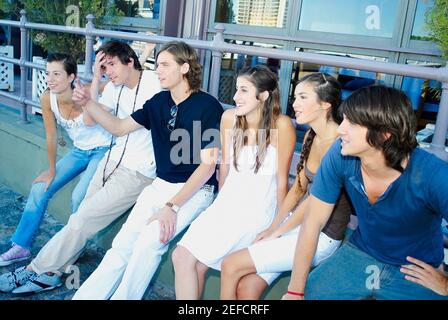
pixel 81 95
pixel 269 233
pixel 99 69
pixel 47 177
pixel 426 275
pixel 167 222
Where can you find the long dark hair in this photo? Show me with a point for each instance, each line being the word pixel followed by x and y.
pixel 328 90
pixel 384 111
pixel 264 80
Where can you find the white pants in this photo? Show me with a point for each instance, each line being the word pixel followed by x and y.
pixel 128 267
pixel 272 257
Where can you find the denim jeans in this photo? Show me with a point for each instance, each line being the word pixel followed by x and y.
pixel 67 168
pixel 352 274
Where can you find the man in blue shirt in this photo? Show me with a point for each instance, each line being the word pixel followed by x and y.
pixel 184 124
pixel 400 194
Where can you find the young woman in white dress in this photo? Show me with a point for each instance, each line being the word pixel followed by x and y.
pixel 248 272
pixel 257 145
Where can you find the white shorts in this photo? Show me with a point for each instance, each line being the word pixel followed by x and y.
pixel 272 257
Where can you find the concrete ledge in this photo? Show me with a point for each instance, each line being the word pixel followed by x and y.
pixel 24 156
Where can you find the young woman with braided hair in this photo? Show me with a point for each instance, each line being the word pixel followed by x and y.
pixel 248 272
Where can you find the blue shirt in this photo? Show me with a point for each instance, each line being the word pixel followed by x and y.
pixel 405 220
pixel 177 152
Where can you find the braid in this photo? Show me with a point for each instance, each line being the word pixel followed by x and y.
pixel 306 148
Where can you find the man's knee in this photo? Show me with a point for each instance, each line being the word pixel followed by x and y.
pixel 78 222
pixel 149 238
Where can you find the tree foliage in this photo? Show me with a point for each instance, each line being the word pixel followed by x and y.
pixel 437 23
pixel 62 12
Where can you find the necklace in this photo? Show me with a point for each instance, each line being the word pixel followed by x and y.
pixel 61 140
pixel 105 178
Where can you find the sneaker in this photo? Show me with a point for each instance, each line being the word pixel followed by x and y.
pixel 13 255
pixel 38 283
pixel 11 280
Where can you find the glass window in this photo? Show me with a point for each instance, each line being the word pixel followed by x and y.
pixel 419 31
pixel 350 79
pixel 232 63
pixel 139 8
pixel 265 13
pixel 356 17
pixel 424 94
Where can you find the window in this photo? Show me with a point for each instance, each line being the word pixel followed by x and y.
pixel 424 94
pixel 139 8
pixel 232 63
pixel 350 79
pixel 265 13
pixel 355 17
pixel 419 32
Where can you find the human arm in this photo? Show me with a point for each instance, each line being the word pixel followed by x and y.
pixel 426 275
pixel 51 136
pixel 286 200
pixel 149 47
pixel 166 216
pixel 98 72
pixel 317 215
pixel 116 126
pixel 286 142
pixel 226 143
pixel 326 190
pixel 96 86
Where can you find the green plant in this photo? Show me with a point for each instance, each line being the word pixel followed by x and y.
pixel 62 12
pixel 437 23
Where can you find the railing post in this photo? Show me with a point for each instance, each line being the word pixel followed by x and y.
pixel 441 129
pixel 89 46
pixel 23 68
pixel 216 61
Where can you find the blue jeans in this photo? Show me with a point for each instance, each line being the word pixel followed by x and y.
pixel 352 274
pixel 67 168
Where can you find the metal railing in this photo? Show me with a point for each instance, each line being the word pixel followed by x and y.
pixel 217 47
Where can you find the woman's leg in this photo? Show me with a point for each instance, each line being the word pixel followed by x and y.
pixel 67 168
pixel 233 268
pixel 201 270
pixel 251 287
pixel 186 274
pixel 94 157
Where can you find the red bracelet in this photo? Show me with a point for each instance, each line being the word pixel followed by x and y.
pixel 300 294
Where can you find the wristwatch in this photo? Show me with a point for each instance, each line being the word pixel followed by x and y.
pixel 173 207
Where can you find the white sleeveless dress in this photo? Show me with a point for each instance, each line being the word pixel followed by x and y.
pixel 244 207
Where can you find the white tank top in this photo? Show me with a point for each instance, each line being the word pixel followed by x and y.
pixel 84 137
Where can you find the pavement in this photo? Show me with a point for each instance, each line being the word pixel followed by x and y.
pixel 11 207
